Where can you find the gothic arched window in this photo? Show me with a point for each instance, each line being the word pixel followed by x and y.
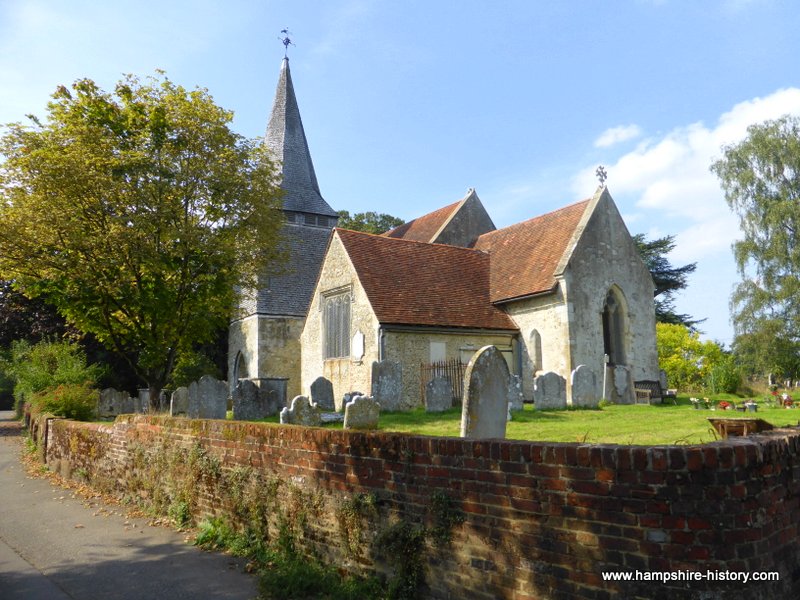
pixel 614 328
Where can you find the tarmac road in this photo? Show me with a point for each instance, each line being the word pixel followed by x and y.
pixel 53 547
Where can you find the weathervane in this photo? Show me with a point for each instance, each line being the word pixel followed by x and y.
pixel 286 41
pixel 602 175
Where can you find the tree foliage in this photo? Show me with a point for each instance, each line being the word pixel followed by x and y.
pixel 668 279
pixel 137 214
pixel 22 318
pixel 686 359
pixel 761 180
pixel 368 222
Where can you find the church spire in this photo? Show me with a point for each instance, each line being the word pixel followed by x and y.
pixel 287 141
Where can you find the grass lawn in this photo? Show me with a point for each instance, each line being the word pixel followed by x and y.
pixel 617 424
pixel 634 424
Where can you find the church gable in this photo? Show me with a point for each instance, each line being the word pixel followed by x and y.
pixel 457 224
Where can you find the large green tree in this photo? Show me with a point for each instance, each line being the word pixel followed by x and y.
pixel 668 279
pixel 761 179
pixel 137 214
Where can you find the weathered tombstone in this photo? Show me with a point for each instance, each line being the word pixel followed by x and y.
pixel 662 379
pixel 584 387
pixel 387 384
pixel 549 391
pixel 322 393
pixel 208 398
pixel 361 412
pixel 275 390
pixel 347 397
pixel 113 403
pixel 179 402
pixel 251 402
pixel 438 395
pixel 515 397
pixel 484 412
pixel 302 412
pixel 623 385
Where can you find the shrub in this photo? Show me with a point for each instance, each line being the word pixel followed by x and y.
pixel 47 365
pixel 71 400
pixel 724 377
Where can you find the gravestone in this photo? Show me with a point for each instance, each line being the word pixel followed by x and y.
pixel 662 380
pixel 549 391
pixel 361 412
pixel 347 397
pixel 113 403
pixel 438 395
pixel 387 384
pixel 251 402
pixel 484 412
pixel 179 402
pixel 322 393
pixel 584 387
pixel 208 398
pixel 515 397
pixel 302 412
pixel 623 385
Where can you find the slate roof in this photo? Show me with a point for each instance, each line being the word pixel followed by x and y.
pixel 286 139
pixel 289 292
pixel 525 256
pixel 415 283
pixel 424 228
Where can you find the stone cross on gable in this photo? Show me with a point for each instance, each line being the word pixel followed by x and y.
pixel 602 174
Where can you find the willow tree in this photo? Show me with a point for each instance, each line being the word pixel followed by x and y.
pixel 137 214
pixel 761 179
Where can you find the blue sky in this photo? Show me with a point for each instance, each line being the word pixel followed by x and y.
pixel 408 104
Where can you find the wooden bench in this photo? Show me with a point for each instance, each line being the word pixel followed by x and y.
pixel 647 391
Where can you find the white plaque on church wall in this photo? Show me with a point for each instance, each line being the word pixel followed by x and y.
pixel 357 352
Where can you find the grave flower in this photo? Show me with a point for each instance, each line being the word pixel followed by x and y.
pixel 724 405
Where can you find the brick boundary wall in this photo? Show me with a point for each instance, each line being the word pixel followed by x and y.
pixel 541 520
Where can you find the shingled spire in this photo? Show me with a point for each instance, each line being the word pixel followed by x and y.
pixel 287 141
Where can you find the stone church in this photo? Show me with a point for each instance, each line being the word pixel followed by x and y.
pixel 563 289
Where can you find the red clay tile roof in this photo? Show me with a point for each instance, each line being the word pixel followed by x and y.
pixel 415 283
pixel 422 229
pixel 524 256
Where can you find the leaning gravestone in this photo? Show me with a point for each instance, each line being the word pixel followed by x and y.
pixel 361 412
pixel 484 410
pixel 584 387
pixel 387 384
pixel 322 393
pixel 251 402
pixel 438 395
pixel 515 397
pixel 179 402
pixel 549 391
pixel 208 398
pixel 302 412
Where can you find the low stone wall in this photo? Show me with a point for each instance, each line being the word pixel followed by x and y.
pixel 502 519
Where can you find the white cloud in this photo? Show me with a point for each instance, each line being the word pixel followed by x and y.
pixel 616 135
pixel 668 177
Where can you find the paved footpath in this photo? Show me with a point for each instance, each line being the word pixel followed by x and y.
pixel 54 547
